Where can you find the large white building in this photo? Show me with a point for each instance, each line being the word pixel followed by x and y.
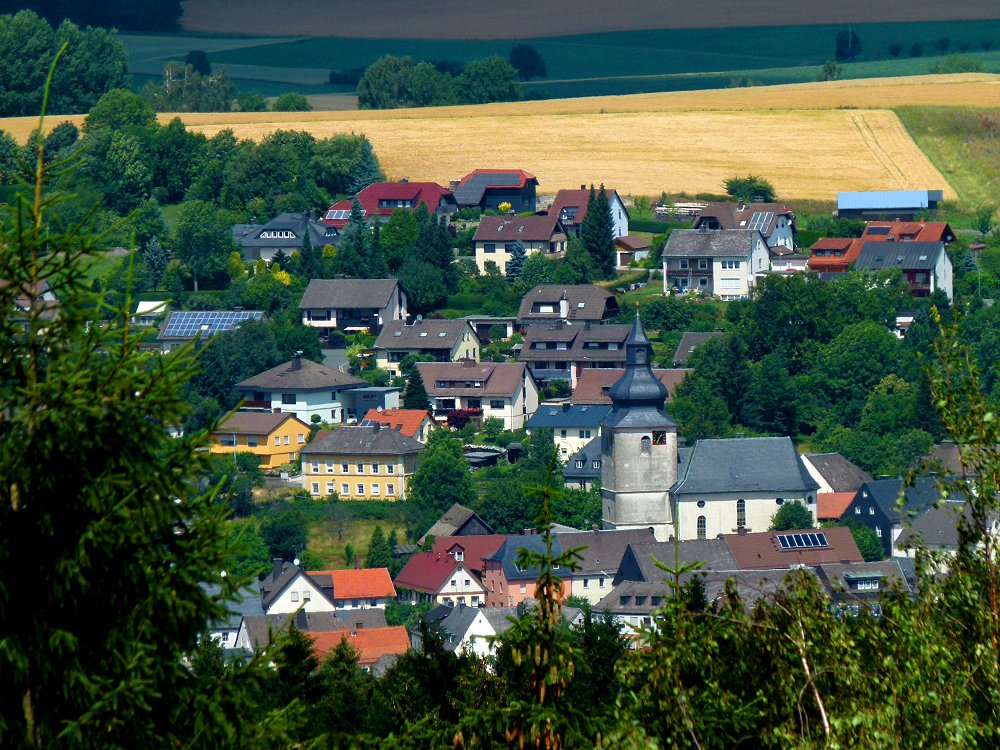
pixel 303 388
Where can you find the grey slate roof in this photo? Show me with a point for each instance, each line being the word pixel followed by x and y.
pixel 348 294
pixel 714 553
pixel 308 376
pixel 839 473
pixel 245 603
pixel 295 224
pixel 909 256
pixel 588 454
pixel 568 416
pixel 690 341
pixel 258 626
pixel 369 440
pixel 603 550
pixel 453 519
pixel 423 334
pixel 704 243
pixel 470 191
pixel 744 465
pixel 507 555
pixel 885 492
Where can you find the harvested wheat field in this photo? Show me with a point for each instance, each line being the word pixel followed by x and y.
pixel 404 19
pixel 803 137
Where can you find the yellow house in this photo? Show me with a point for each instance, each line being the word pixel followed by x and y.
pixel 369 461
pixel 274 438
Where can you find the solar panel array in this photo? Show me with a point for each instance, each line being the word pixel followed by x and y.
pixel 801 541
pixel 878 230
pixel 760 220
pixel 188 324
pixel 338 215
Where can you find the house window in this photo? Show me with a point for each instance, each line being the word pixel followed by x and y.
pixel 390 468
pixel 361 489
pixel 315 467
pixel 390 489
pixel 251 442
pixel 702 264
pixel 468 582
pixel 857 510
pixel 315 488
pixel 288 440
pixel 277 440
pixel 596 465
pixel 329 467
pixel 646 445
pixel 288 398
pixel 878 531
pixel 580 464
pixel 496 403
pixel 376 489
pixel 562 433
pixel 345 488
pixel 741 513
pixel 295 596
pixel 360 467
pixel 524 588
pixel 374 467
pixel 684 265
pixel 702 527
pixel 585 434
pixel 601 582
pixel 330 489
pixel 586 583
pixel 489 247
pixel 301 438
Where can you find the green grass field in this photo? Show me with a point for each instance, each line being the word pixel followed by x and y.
pixel 681 59
pixel 964 145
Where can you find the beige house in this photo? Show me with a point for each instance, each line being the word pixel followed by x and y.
pixel 273 438
pixel 352 304
pixel 497 235
pixel 505 391
pixel 362 462
pixel 444 340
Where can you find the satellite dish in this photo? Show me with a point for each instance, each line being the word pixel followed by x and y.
pixel 223 574
pixel 295 561
pixel 420 318
pixel 378 409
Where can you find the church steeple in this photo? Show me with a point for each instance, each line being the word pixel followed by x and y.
pixel 638 387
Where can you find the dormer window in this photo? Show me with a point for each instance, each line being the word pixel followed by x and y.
pixel 459 554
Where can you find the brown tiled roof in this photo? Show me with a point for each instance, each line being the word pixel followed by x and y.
pixel 576 338
pixel 308 375
pixel 498 379
pixel 363 441
pixel 370 643
pixel 427 572
pixel 838 472
pixel 849 254
pixel 453 519
pixel 593 383
pixel 348 293
pixel 738 215
pixel 423 334
pixel 762 550
pixel 477 547
pixel 689 342
pixel 597 302
pixel 632 243
pixel 364 583
pixel 578 199
pixel 509 228
pixel 256 423
pixel 406 421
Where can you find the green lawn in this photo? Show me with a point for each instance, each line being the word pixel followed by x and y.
pixel 964 144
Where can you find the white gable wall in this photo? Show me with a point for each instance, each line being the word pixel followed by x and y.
pixel 462 587
pixel 300 593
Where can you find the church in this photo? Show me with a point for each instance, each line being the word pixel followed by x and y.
pixel 716 487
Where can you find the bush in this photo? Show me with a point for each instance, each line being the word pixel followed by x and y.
pixel 916 49
pixel 291 102
pixel 251 101
pixel 895 49
pixel 346 77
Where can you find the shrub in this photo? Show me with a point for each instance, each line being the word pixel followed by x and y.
pixel 291 102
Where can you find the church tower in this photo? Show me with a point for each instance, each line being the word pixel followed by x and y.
pixel 638 446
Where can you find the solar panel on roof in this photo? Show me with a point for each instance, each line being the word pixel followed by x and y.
pixel 760 220
pixel 801 541
pixel 188 323
pixel 878 230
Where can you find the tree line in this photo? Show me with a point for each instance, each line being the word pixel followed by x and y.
pixel 392 82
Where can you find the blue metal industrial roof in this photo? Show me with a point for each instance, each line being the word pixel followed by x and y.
pixel 888 199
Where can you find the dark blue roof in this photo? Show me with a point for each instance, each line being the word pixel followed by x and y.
pixel 507 555
pixel 568 415
pixel 186 324
pixel 588 454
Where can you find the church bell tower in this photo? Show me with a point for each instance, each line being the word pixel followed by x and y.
pixel 638 446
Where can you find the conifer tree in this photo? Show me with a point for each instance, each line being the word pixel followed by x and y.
pixel 415 396
pixel 350 259
pixel 379 551
pixel 515 265
pixel 366 171
pixel 156 259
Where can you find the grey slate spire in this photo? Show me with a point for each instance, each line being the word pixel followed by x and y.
pixel 638 395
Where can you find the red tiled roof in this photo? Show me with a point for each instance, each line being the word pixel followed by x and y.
pixel 913 231
pixel 593 384
pixel 406 421
pixel 371 644
pixel 477 547
pixel 849 254
pixel 364 583
pixel 428 193
pixel 761 551
pixel 831 505
pixel 427 572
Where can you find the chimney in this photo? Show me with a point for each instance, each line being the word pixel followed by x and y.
pixel 297 361
pixel 357 561
pixel 593 527
pixel 453 185
pixel 377 426
pixel 565 406
pixel 583 187
pixel 405 180
pixel 563 306
pixel 276 565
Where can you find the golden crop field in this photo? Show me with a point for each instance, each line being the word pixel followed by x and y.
pixel 810 140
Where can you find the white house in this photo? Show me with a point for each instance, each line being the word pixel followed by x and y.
pixel 572 425
pixel 444 340
pixel 300 387
pixel 352 304
pixel 725 263
pixel 775 222
pixel 288 588
pixel 570 207
pixel 504 391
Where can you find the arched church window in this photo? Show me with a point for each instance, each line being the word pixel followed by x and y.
pixel 702 527
pixel 640 356
pixel 741 513
pixel 646 445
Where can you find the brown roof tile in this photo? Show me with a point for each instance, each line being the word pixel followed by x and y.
pixel 498 379
pixel 763 551
pixel 308 375
pixel 370 643
pixel 256 423
pixel 597 302
pixel 363 583
pixel 513 228
pixel 592 384
pixel 423 334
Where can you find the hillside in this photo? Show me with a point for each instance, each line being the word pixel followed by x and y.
pixel 480 20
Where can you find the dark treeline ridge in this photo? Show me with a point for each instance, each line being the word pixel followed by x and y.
pixel 127 15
